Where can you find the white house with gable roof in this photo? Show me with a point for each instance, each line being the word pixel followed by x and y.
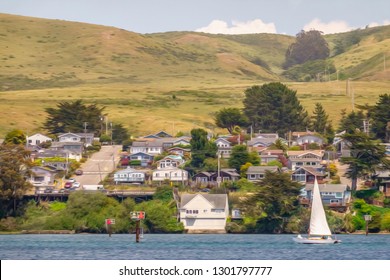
pixel 204 212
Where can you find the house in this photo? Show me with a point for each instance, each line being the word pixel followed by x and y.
pixel 342 146
pixel 262 140
pixel 129 175
pixel 170 174
pixel 309 139
pixel 42 177
pixel 86 138
pixel 143 159
pixel 37 139
pixel 333 195
pixel 202 178
pixel 297 159
pixel 224 147
pixel 267 156
pixel 151 147
pixel 183 152
pixel 171 161
pixel 383 178
pixel 48 153
pixel 74 150
pixel 307 175
pixel 226 174
pixel 257 173
pixel 169 142
pixel 202 213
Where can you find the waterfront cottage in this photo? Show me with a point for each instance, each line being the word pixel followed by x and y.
pixel 202 213
pixel 170 174
pixel 333 195
pixel 42 177
pixel 129 175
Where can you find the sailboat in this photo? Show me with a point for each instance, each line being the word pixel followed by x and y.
pixel 319 232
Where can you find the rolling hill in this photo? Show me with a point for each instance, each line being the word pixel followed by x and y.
pixel 136 75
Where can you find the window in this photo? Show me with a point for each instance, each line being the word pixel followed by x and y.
pixel 252 176
pixel 339 195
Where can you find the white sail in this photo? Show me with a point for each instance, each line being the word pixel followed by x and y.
pixel 318 223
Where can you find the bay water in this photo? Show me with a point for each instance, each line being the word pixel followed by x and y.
pixel 188 247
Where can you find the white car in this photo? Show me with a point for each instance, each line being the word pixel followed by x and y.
pixel 72 180
pixel 76 185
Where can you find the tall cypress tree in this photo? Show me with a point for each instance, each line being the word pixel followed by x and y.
pixel 380 114
pixel 274 107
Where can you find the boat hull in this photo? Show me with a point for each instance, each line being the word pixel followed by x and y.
pixel 304 240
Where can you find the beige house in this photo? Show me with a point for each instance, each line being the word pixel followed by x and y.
pixel 201 213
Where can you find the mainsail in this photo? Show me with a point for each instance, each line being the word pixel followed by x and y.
pixel 318 223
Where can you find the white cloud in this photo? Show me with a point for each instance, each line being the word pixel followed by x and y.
pixel 375 24
pixel 249 27
pixel 332 27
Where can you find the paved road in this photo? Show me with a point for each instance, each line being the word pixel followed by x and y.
pixel 96 168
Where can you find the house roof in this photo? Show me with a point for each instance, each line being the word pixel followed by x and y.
pixel 383 174
pixel 146 144
pixel 205 173
pixel 179 148
pixel 141 153
pixel 223 140
pixel 218 201
pixel 328 187
pixel 40 169
pixel 62 144
pixel 272 152
pixel 38 135
pixel 261 141
pixel 128 170
pixel 318 153
pixel 159 134
pixel 310 170
pixel 301 133
pixel 261 169
pixel 230 171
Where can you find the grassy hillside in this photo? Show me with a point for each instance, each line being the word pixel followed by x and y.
pixel 136 76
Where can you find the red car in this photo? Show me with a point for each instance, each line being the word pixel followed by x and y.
pixel 68 185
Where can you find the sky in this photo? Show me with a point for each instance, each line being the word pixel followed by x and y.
pixel 212 16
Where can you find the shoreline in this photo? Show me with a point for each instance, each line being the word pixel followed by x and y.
pixel 189 233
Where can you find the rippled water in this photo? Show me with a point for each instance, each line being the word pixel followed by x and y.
pixel 188 246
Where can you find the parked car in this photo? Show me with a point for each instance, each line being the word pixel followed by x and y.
pixel 48 190
pixel 72 180
pixel 78 172
pixel 68 185
pixel 76 185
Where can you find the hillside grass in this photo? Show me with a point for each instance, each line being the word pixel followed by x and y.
pixel 136 77
pixel 145 109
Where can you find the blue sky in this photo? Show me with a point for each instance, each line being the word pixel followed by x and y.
pixel 212 16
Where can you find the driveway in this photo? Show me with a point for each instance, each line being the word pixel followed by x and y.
pixel 101 163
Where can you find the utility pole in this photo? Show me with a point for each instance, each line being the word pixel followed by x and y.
pixel 219 169
pixel 112 141
pixel 106 118
pixel 85 127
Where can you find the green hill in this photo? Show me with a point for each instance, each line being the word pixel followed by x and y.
pixel 136 76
